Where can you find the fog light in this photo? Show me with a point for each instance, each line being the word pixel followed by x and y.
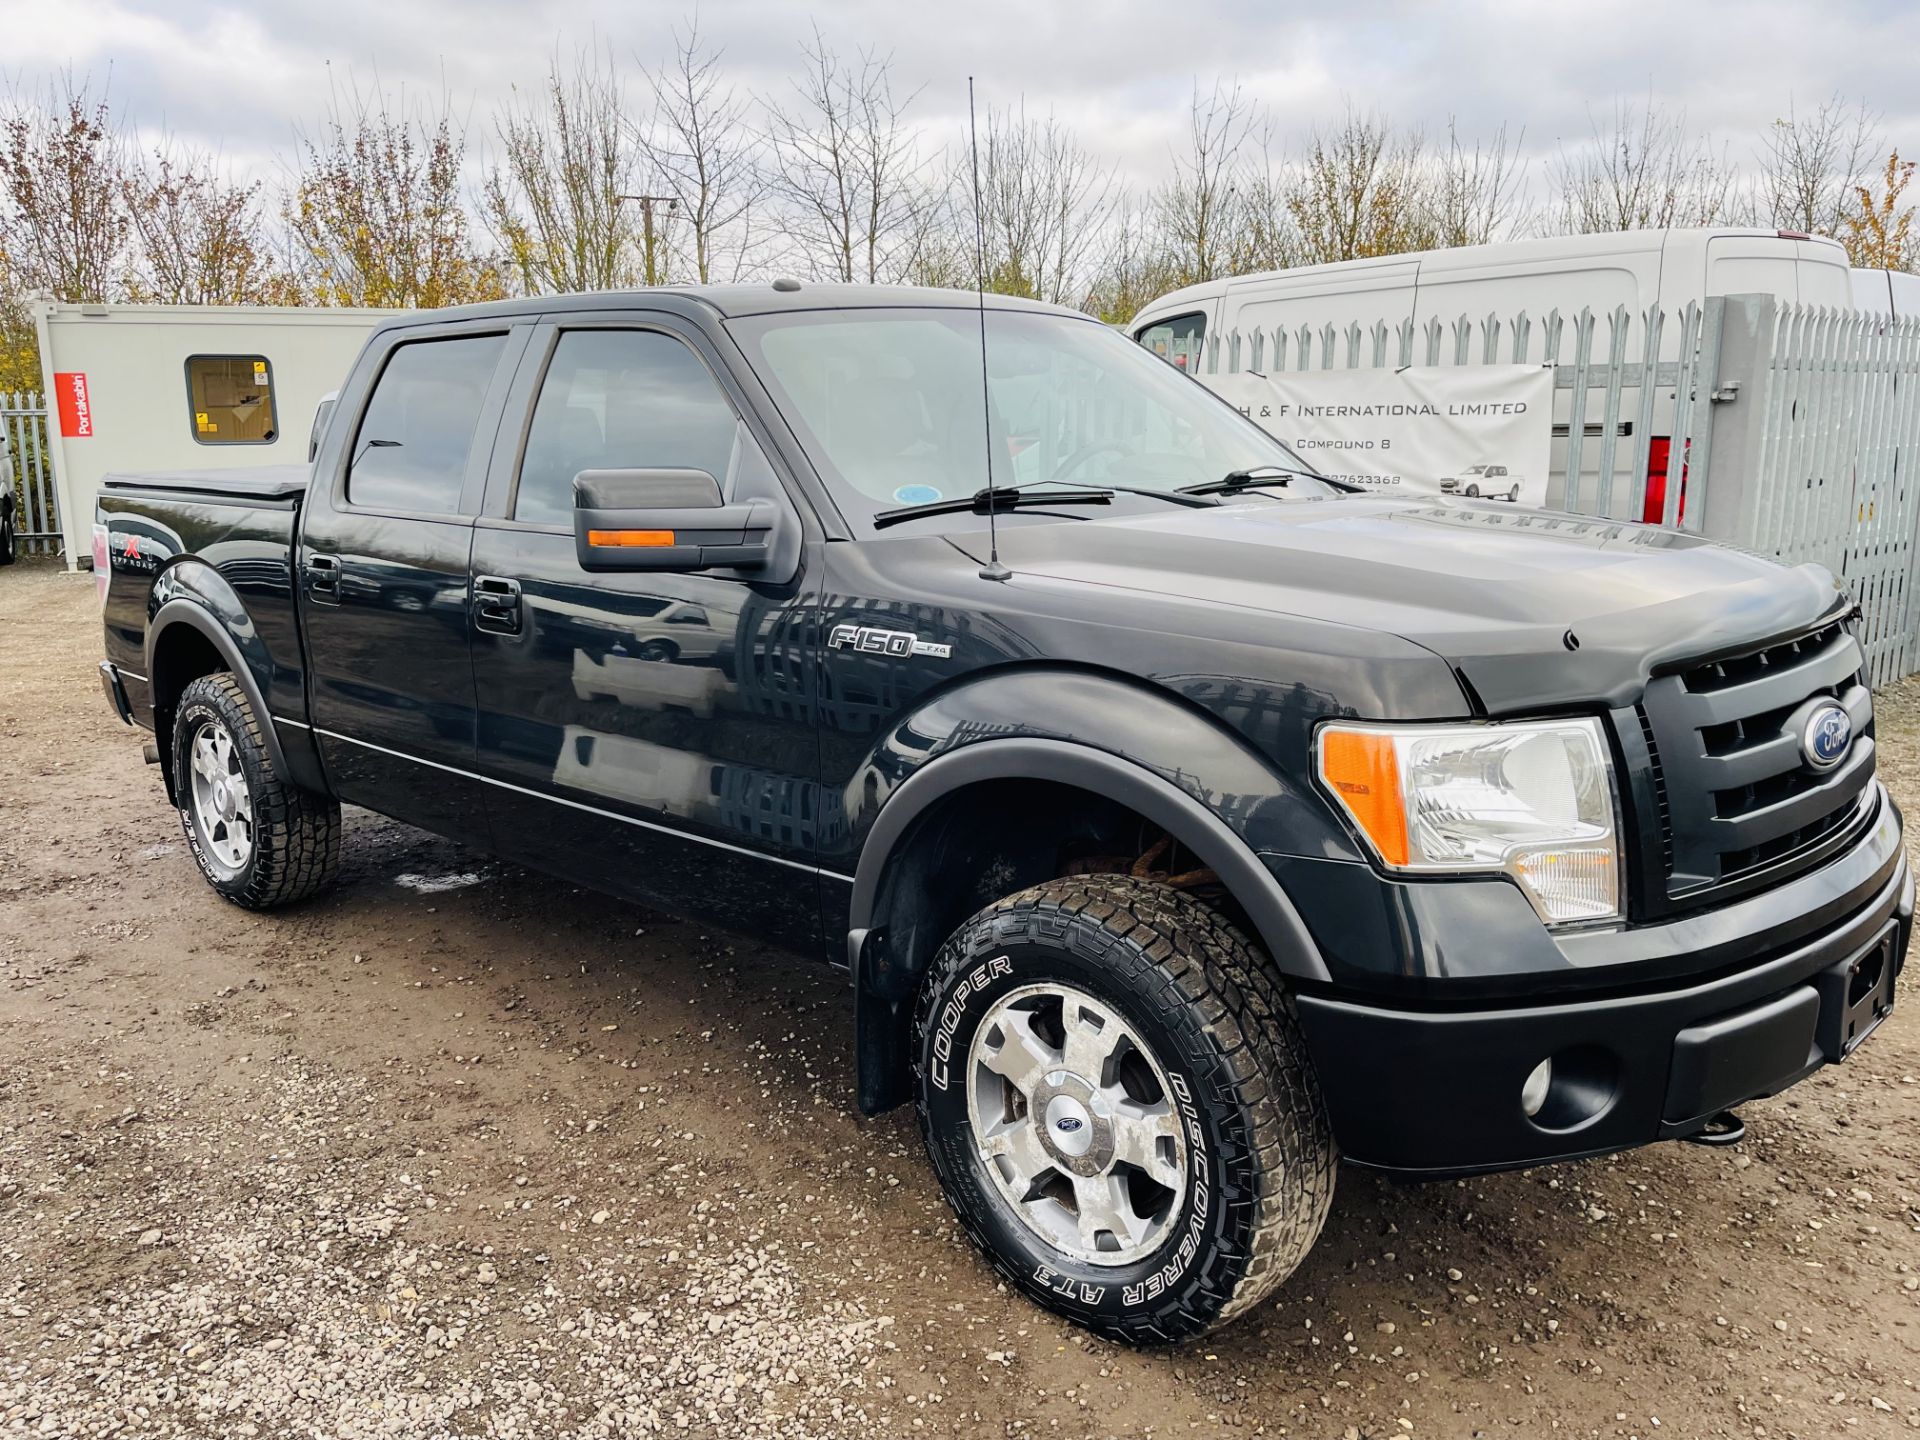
pixel 1533 1094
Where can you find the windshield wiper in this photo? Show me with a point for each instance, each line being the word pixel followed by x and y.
pixel 1189 497
pixel 985 502
pixel 1262 477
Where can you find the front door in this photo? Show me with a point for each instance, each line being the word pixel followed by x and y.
pixel 647 733
pixel 384 556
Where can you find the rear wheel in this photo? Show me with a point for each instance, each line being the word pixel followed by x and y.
pixel 1513 493
pixel 9 542
pixel 1119 1105
pixel 258 840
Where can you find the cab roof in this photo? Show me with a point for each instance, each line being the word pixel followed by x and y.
pixel 730 302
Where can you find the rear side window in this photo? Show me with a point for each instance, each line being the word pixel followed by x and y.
pixel 620 400
pixel 230 399
pixel 416 437
pixel 1177 340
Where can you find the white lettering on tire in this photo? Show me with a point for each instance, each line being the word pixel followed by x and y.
pixel 971 983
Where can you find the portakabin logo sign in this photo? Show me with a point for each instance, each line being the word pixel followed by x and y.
pixel 76 410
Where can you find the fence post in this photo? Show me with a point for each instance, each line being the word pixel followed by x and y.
pixel 1734 427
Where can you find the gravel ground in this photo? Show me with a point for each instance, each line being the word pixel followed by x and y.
pixel 460 1151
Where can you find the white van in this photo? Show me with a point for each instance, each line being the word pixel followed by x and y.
pixel 1636 268
pixel 1892 293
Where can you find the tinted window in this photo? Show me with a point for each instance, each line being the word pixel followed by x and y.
pixel 620 400
pixel 231 399
pixel 414 440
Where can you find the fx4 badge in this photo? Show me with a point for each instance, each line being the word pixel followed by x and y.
pixel 897 643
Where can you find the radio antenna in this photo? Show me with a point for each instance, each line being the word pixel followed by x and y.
pixel 993 569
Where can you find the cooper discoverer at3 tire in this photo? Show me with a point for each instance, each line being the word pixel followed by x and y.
pixel 258 840
pixel 1118 1102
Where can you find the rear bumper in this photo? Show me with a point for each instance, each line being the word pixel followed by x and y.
pixel 1434 1092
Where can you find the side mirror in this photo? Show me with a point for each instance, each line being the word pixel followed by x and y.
pixel 666 520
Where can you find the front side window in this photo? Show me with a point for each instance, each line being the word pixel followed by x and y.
pixel 620 400
pixel 230 399
pixel 888 406
pixel 1177 340
pixel 416 437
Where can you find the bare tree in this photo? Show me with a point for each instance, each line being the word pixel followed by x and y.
pixel 1136 266
pixel 554 202
pixel 376 213
pixel 1475 196
pixel 1877 227
pixel 705 156
pixel 843 163
pixel 199 238
pixel 63 220
pixel 1642 171
pixel 1811 164
pixel 1200 211
pixel 1044 203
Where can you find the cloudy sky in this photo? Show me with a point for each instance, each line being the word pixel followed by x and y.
pixel 241 77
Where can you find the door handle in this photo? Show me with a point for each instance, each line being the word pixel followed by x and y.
pixel 323 578
pixel 496 604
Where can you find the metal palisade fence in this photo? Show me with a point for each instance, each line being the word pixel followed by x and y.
pixel 1791 430
pixel 28 471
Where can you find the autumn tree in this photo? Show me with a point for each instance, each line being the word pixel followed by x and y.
pixel 1360 190
pixel 199 238
pixel 376 211
pixel 556 199
pixel 1877 227
pixel 63 223
pixel 843 165
pixel 704 155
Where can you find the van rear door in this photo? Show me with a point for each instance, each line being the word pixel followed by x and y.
pixel 1797 271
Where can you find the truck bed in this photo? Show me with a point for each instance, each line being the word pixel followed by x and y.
pixel 255 482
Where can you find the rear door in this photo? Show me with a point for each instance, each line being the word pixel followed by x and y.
pixel 384 554
pixel 648 733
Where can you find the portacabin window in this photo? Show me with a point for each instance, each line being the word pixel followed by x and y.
pixel 230 400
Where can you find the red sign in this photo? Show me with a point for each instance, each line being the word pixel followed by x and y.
pixel 76 413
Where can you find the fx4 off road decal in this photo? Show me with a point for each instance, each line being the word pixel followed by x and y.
pixel 870 640
pixel 970 984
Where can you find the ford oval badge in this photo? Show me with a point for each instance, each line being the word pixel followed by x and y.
pixel 1827 737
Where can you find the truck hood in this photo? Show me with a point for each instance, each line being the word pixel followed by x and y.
pixel 1532 609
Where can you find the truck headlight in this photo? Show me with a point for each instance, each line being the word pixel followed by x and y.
pixel 1529 799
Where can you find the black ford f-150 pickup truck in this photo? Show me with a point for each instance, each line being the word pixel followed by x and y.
pixel 1214 824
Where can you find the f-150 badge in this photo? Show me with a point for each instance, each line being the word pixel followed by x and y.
pixel 872 641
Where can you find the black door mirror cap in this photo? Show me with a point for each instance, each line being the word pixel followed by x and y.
pixel 675 489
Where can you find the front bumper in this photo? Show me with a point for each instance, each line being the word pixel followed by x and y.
pixel 1432 1091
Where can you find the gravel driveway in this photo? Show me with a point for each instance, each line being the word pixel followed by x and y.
pixel 461 1151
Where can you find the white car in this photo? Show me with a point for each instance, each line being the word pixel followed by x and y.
pixel 1495 482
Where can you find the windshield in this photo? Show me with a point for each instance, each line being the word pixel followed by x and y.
pixel 888 406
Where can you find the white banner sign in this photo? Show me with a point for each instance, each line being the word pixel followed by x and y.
pixel 1484 430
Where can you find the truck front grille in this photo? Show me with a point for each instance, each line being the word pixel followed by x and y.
pixel 1738 800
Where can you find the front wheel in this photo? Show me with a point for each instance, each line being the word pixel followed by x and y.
pixel 1117 1099
pixel 258 840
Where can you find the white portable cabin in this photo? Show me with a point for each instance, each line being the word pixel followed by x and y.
pixel 1639 269
pixel 183 387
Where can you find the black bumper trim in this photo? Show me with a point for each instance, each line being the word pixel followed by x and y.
pixel 116 692
pixel 1426 1093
